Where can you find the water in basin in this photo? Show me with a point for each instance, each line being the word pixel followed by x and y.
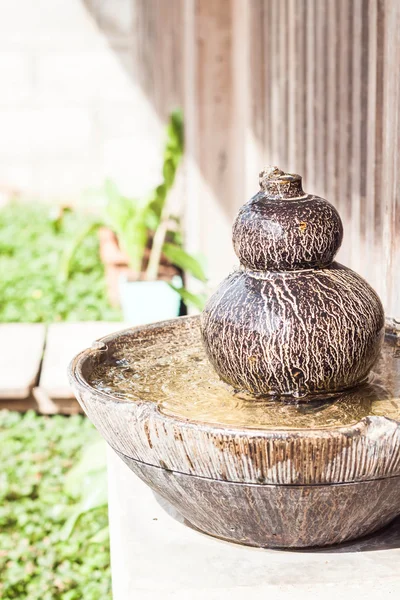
pixel 171 368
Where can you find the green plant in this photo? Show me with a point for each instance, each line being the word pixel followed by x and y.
pixel 34 245
pixel 142 223
pixel 47 550
pixel 87 482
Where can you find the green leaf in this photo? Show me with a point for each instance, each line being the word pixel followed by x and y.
pixel 187 262
pixel 94 496
pixel 93 459
pixel 101 537
pixel 128 219
pixel 50 273
pixel 196 300
pixel 69 254
pixel 111 191
pixel 173 153
pixel 177 128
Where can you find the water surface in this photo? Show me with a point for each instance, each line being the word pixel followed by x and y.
pixel 170 367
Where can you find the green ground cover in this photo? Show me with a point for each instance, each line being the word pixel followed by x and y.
pixel 35 285
pixel 53 513
pixel 40 557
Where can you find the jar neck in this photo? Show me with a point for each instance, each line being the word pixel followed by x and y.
pixel 277 184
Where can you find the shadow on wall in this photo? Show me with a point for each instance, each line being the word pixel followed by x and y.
pixel 179 53
pixel 147 37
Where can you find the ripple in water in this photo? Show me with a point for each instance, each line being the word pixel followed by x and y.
pixel 171 369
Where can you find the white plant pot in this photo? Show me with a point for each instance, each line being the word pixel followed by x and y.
pixel 149 301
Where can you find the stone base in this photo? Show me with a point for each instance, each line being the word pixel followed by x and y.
pixel 155 555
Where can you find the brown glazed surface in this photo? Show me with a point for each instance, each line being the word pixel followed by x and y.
pixel 259 472
pixel 154 397
pixel 276 515
pixel 291 321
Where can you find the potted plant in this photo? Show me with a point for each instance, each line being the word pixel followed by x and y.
pixel 142 245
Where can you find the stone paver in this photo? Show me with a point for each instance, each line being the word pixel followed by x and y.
pixel 21 351
pixel 64 341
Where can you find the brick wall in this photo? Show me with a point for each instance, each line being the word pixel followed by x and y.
pixel 71 113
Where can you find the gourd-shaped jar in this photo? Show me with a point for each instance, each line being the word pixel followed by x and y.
pixel 291 321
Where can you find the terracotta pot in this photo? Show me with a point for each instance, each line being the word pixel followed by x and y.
pixel 117 271
pixel 115 263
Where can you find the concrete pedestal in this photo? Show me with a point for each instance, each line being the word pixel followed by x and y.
pixel 155 556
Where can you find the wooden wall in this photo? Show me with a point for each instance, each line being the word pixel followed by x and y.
pixel 330 109
pixel 310 85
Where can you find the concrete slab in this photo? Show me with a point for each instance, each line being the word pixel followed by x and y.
pixel 64 341
pixel 21 351
pixel 155 555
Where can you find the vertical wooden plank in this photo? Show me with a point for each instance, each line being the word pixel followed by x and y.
pixel 336 99
pixel 256 76
pixel 299 94
pixel 283 61
pixel 247 97
pixel 310 84
pixel 368 215
pixel 274 90
pixel 267 77
pixel 325 25
pixel 379 205
pixel 356 117
pixel 365 76
pixel 391 153
pixel 215 181
pixel 320 94
pixel 345 101
pixel 331 100
pixel 291 100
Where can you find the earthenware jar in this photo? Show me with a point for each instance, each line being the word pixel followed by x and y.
pixel 291 321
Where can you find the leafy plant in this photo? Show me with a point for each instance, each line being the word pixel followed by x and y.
pixel 128 220
pixel 34 248
pixel 39 497
pixel 149 223
pixel 87 482
pixel 140 223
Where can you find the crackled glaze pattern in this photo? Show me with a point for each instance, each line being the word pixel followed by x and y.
pixel 291 322
pixel 293 332
pixel 280 235
pixel 281 228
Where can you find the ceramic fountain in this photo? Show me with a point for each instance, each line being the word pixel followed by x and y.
pixel 273 419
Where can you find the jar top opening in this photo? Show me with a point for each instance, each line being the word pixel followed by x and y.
pixel 277 183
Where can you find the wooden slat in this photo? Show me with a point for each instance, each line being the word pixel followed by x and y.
pixel 21 352
pixel 214 132
pixel 157 51
pixel 309 84
pixel 391 153
pixel 344 110
pixel 327 74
